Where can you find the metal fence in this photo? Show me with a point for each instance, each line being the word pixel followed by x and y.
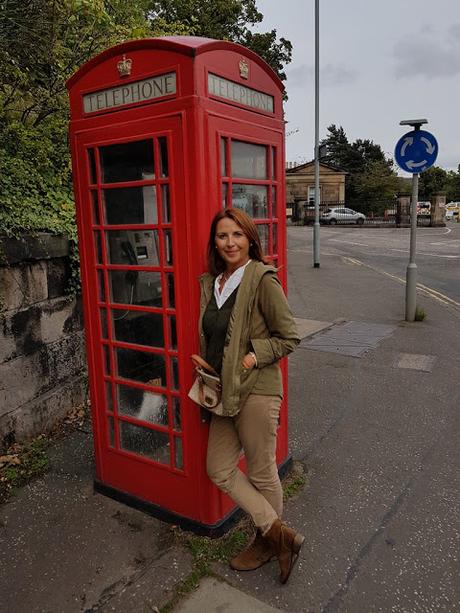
pixel 369 213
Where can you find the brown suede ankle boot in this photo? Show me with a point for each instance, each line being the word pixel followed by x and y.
pixel 258 552
pixel 287 544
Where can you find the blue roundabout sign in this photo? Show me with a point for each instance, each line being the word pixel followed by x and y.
pixel 416 151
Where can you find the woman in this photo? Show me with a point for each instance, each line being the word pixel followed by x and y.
pixel 246 326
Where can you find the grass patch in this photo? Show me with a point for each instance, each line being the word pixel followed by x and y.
pixel 420 314
pixel 294 482
pixel 21 463
pixel 205 551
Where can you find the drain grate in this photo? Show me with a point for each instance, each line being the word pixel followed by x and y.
pixel 353 338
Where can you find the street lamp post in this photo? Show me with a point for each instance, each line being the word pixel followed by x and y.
pixel 316 243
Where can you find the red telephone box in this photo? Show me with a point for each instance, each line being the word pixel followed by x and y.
pixel 164 132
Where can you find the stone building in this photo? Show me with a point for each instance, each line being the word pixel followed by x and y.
pixel 300 184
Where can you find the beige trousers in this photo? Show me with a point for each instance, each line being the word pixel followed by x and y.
pixel 253 430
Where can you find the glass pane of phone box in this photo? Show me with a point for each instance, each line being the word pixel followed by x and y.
pixel 133 247
pixel 141 366
pixel 138 327
pixel 135 287
pixel 146 442
pixel 143 405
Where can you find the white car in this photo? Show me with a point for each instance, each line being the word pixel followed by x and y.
pixel 342 214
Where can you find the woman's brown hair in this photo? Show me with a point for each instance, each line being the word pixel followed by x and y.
pixel 216 264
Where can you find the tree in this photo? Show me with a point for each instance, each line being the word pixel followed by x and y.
pixel 371 174
pixel 226 20
pixel 339 150
pixel 221 19
pixel 369 153
pixel 453 186
pixel 352 157
pixel 43 42
pixel 276 54
pixel 377 182
pixel 432 180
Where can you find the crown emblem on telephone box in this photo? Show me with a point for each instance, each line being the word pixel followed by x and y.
pixel 244 69
pixel 124 66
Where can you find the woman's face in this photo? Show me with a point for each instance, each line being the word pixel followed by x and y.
pixel 232 244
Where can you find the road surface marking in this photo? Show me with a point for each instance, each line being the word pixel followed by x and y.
pixel 452 243
pixel 424 289
pixel 435 293
pixel 448 231
pixel 352 261
pixel 433 255
pixel 337 240
pixel 309 251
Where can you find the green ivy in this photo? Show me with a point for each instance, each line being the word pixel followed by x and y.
pixel 36 183
pixel 40 48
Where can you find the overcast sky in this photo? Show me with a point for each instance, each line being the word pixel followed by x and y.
pixel 380 62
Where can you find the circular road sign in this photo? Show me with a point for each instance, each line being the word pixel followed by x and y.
pixel 416 151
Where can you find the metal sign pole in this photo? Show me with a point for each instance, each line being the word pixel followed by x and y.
pixel 414 152
pixel 316 255
pixel 411 272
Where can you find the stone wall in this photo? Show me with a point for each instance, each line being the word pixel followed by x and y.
pixel 438 209
pixel 42 358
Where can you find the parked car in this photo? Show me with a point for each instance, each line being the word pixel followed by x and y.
pixel 342 214
pixel 424 208
pixel 451 215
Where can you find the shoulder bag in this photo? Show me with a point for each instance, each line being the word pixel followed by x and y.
pixel 207 388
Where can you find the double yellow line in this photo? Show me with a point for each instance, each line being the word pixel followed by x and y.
pixel 432 293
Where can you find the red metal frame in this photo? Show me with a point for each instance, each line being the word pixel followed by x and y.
pixel 193 123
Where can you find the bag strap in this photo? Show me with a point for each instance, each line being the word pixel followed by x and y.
pixel 198 361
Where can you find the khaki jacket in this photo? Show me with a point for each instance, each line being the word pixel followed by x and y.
pixel 261 321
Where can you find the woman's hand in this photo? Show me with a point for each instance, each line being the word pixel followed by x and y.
pixel 249 361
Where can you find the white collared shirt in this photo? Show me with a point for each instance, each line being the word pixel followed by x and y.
pixel 230 285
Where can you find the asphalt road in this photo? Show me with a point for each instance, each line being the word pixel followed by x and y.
pixel 387 250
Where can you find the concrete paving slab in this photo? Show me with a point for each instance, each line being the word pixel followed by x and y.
pixel 352 338
pixel 151 587
pixel 308 327
pixel 71 550
pixel 213 596
pixel 413 564
pixel 415 362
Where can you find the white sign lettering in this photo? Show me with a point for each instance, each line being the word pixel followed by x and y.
pixel 217 86
pixel 139 91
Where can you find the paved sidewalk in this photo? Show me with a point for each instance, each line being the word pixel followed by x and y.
pixel 374 421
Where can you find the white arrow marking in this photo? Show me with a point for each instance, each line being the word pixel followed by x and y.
pixel 407 141
pixel 412 164
pixel 429 146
